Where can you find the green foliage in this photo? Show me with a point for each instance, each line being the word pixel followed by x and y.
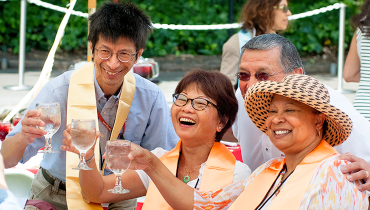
pixel 191 12
pixel 41 26
pixel 309 34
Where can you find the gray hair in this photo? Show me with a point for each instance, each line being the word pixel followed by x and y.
pixel 289 58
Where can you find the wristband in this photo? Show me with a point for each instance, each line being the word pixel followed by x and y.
pixel 90 159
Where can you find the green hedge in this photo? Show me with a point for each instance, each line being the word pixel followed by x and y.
pixel 309 34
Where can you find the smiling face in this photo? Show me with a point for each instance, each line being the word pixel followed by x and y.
pixel 292 126
pixel 280 18
pixel 192 125
pixel 110 72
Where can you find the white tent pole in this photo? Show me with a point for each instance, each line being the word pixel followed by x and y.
pixel 342 13
pixel 22 49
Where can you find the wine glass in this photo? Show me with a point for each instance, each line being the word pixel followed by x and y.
pixel 50 114
pixel 118 161
pixel 83 134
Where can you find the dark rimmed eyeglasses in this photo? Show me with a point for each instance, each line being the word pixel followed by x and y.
pixel 285 8
pixel 197 103
pixel 123 56
pixel 260 76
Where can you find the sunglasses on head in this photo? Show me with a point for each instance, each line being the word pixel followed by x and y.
pixel 260 76
pixel 285 8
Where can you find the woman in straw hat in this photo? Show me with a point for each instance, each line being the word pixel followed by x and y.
pixel 297 116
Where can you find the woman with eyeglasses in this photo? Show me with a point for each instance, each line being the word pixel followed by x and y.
pixel 204 108
pixel 258 17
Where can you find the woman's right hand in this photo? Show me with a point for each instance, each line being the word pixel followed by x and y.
pixel 68 146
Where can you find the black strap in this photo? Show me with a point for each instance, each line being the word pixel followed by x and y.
pixel 264 201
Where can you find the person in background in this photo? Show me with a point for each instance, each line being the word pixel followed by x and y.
pixel 357 66
pixel 272 57
pixel 258 17
pixel 98 90
pixel 204 108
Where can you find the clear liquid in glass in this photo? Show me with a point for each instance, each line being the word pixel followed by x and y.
pixel 50 115
pixel 83 135
pixel 118 161
pixel 82 139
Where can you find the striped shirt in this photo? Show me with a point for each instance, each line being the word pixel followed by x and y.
pixel 362 99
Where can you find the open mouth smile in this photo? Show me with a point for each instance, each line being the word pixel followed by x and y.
pixel 186 121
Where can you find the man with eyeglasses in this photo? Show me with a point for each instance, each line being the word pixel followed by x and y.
pixel 125 105
pixel 272 57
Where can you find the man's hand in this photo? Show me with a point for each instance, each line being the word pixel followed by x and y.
pixel 360 169
pixel 29 130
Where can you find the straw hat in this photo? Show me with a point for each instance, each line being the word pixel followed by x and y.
pixel 304 89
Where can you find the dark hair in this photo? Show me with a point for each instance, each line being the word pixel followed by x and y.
pixel 218 87
pixel 289 58
pixel 362 20
pixel 116 20
pixel 258 14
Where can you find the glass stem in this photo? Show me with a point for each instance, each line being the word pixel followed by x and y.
pixel 82 158
pixel 48 142
pixel 118 181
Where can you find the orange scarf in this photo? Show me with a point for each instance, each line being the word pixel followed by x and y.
pixel 291 195
pixel 218 172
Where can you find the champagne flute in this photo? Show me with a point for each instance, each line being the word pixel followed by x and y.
pixel 118 161
pixel 83 134
pixel 50 114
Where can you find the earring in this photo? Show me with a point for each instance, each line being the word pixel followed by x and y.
pixel 318 132
pixel 219 129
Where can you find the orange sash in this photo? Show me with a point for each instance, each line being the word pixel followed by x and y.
pixel 218 172
pixel 291 195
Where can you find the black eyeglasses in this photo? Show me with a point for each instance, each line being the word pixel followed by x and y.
pixel 285 8
pixel 197 103
pixel 260 76
pixel 122 56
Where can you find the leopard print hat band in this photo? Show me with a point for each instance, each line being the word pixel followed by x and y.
pixel 304 89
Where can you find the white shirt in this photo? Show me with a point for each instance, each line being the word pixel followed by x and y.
pixel 257 148
pixel 241 171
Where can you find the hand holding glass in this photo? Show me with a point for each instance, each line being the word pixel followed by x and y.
pixel 118 161
pixel 83 134
pixel 50 114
